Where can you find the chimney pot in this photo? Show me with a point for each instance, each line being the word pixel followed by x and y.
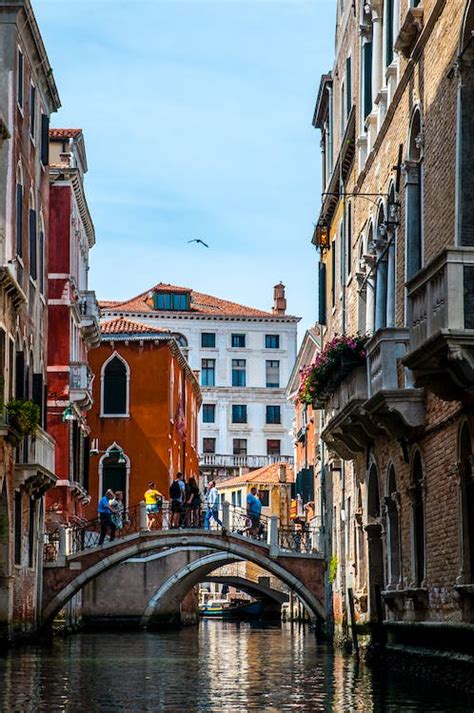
pixel 282 473
pixel 279 299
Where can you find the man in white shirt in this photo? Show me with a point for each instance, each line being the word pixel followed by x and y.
pixel 212 505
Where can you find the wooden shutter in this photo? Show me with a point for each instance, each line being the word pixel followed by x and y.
pixel 367 78
pixel 348 86
pixel 38 395
pixel 19 220
pixel 33 247
pixel 45 139
pixel 20 375
pixel 322 293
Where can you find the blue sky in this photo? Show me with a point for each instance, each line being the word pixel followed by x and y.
pixel 197 120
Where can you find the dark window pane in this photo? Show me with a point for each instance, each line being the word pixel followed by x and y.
pixel 272 373
pixel 239 413
pixel 264 496
pixel 44 139
pixel 240 446
pixel 17 543
pixel 114 476
pixel 115 388
pixel 19 220
pixel 238 372
pixel 208 340
pixel 273 447
pixel 20 78
pixel 31 533
pixel 32 111
pixel 33 245
pixel 208 413
pixel 272 341
pixel 273 414
pixel 208 372
pixel 238 341
pixel 41 261
pixel 208 445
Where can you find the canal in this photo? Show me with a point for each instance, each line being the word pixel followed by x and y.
pixel 217 667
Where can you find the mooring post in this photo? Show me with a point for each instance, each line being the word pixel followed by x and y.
pixel 225 515
pixel 143 517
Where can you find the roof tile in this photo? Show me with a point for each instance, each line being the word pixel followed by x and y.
pixel 64 133
pixel 121 325
pixel 269 474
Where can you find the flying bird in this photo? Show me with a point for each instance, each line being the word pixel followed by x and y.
pixel 198 240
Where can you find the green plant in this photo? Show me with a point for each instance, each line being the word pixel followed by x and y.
pixel 23 418
pixel 333 564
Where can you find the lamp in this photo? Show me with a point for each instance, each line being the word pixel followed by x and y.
pixel 321 235
pixel 121 458
pixel 68 414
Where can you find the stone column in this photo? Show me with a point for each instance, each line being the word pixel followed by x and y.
pixel 377 47
pixel 413 217
pixel 381 292
pixel 390 320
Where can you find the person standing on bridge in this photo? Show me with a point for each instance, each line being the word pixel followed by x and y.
pixel 212 506
pixel 177 496
pixel 105 517
pixel 153 499
pixel 254 511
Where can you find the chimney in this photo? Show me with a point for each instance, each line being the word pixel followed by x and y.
pixel 282 473
pixel 279 299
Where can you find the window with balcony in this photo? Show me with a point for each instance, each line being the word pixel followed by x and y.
pixel 237 341
pixel 115 379
pixel 209 445
pixel 273 414
pixel 272 341
pixel 272 373
pixel 273 447
pixel 175 301
pixel 239 413
pixel 20 79
pixel 465 143
pixel 238 372
pixel 208 340
pixel 208 372
pixel 208 413
pixel 239 447
pixel 381 272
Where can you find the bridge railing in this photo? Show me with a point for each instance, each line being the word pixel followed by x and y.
pixel 295 540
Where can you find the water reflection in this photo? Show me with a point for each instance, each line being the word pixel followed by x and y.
pixel 218 667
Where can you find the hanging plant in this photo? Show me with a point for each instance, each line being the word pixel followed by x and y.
pixel 339 357
pixel 23 419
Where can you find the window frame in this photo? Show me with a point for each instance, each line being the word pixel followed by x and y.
pixel 239 371
pixel 103 414
pixel 208 369
pixel 277 408
pixel 269 337
pixel 240 441
pixel 208 334
pixel 208 439
pixel 238 336
pixel 20 80
pixel 273 440
pixel 204 409
pixel 270 384
pixel 233 413
pixel 33 113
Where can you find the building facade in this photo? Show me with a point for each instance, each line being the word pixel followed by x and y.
pixel 73 316
pixel 144 417
pixel 244 357
pixel 395 236
pixel 28 95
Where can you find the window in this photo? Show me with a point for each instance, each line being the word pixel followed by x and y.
pixel 414 197
pixel 272 370
pixel 17 543
pixel 322 293
pixel 264 496
pixel 367 79
pixel 273 447
pixel 333 270
pixel 208 445
pixel 31 533
pixel 342 109
pixel 44 139
pixel 115 388
pixel 238 341
pixel 114 474
pixel 41 259
pixel 272 341
pixel 208 413
pixel 240 446
pixel 20 79
pixel 393 530
pixel 171 301
pixel 19 213
pixel 238 372
pixel 349 240
pixel 236 498
pixel 208 372
pixel 348 86
pixel 32 111
pixel 208 340
pixel 239 413
pixel 273 414
pixel 466 485
pixel 33 242
pixel 418 532
pixel 389 33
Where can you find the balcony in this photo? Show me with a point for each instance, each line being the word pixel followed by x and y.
pixel 348 428
pixel 90 315
pixel 213 460
pixel 80 385
pixel 410 30
pixel 37 466
pixel 441 321
pixel 393 404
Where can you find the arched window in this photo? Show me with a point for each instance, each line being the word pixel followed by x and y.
pixel 391 256
pixel 375 547
pixel 418 530
pixel 362 291
pixel 413 167
pixel 465 144
pixel 393 529
pixel 114 472
pixel 381 272
pixel 349 240
pixel 33 238
pixel 19 211
pixel 467 504
pixel 373 495
pixel 370 282
pixel 115 387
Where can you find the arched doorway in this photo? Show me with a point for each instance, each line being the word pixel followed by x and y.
pixel 113 472
pixel 375 547
pixel 467 505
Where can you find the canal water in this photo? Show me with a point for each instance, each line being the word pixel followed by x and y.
pixel 221 667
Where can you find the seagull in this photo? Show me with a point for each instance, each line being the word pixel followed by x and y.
pixel 198 240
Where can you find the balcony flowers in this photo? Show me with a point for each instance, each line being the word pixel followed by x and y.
pixel 23 417
pixel 339 357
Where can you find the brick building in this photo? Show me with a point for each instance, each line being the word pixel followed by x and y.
pixel 395 236
pixel 144 417
pixel 73 316
pixel 28 95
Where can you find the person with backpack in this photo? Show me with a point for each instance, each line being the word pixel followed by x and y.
pixel 212 506
pixel 177 494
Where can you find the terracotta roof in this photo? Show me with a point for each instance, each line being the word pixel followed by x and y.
pixel 200 303
pixel 269 475
pixel 64 133
pixel 122 325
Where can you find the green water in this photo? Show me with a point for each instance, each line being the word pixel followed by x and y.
pixel 220 667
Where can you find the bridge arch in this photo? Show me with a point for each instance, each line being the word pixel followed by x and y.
pixel 61 584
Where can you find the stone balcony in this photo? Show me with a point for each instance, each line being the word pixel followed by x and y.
pixel 393 403
pixel 36 461
pixel 216 460
pixel 80 385
pixel 441 320
pixel 347 429
pixel 90 316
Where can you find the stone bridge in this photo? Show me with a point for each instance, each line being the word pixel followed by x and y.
pixel 67 574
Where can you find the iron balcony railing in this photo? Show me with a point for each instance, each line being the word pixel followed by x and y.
pixel 80 377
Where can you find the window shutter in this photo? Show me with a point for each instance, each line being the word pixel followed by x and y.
pixel 20 375
pixel 367 78
pixel 19 220
pixel 38 395
pixel 322 293
pixel 45 139
pixel 348 86
pixel 33 249
pixel 388 21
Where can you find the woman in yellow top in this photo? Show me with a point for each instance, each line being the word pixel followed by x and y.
pixel 153 499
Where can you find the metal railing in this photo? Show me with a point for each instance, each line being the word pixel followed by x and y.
pixel 80 377
pixel 295 540
pixel 218 460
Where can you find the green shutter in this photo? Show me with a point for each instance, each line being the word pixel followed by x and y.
pixel 367 78
pixel 322 293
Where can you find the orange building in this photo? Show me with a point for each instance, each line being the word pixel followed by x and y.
pixel 144 419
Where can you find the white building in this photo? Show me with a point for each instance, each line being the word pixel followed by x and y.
pixel 244 357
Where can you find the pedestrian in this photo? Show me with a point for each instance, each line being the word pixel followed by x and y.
pixel 212 506
pixel 194 503
pixel 254 510
pixel 105 516
pixel 153 499
pixel 117 508
pixel 177 493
